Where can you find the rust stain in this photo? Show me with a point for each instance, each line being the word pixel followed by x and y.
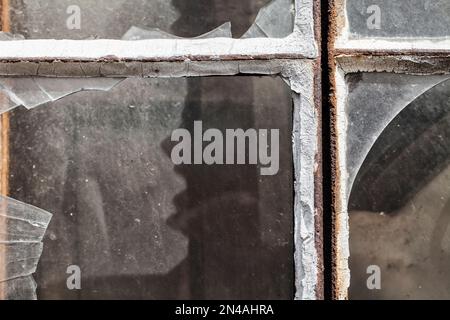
pixel 337 23
pixel 411 61
pixel 176 58
pixel 6 25
pixel 318 186
pixel 5 155
pixel 4 186
pixel 4 150
pixel 318 174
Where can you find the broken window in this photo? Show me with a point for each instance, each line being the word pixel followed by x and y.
pixel 138 19
pixel 399 201
pixel 389 111
pixel 391 126
pixel 117 178
pixel 96 171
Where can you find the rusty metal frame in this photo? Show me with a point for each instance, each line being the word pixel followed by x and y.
pixel 346 56
pixel 296 58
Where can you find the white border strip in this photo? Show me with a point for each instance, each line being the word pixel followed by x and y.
pixel 300 44
pixel 153 50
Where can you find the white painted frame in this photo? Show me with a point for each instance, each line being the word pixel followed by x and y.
pixel 293 58
pixel 299 44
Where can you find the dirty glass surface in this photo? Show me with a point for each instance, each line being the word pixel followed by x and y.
pixel 138 19
pixel 399 18
pixel 399 205
pixel 140 226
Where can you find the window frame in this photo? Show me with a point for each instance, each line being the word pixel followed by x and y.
pixel 295 58
pixel 414 56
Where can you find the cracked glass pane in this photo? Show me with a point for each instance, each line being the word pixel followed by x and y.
pixel 399 18
pixel 113 19
pixel 399 205
pixel 138 223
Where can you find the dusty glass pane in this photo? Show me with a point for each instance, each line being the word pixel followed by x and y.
pixel 399 18
pixel 136 224
pixel 136 19
pixel 399 204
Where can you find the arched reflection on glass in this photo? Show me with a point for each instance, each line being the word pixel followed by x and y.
pixel 399 205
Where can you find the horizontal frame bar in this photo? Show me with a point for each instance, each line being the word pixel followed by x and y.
pixel 300 44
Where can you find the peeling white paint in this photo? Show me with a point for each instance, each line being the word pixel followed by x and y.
pixel 300 76
pixel 156 50
pixel 300 44
pixel 341 215
pixel 304 141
